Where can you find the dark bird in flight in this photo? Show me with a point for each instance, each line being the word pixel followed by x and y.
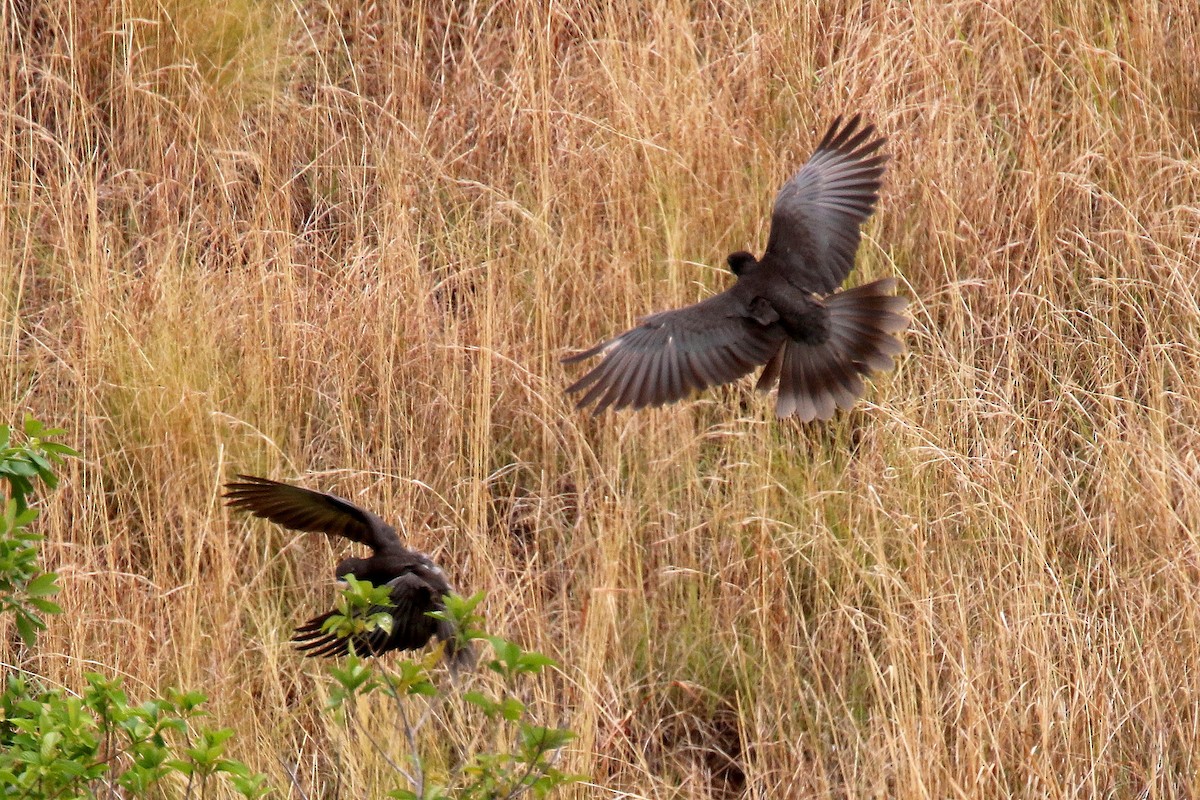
pixel 417 584
pixel 783 311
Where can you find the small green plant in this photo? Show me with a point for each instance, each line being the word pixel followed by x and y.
pixel 24 589
pixel 54 743
pixel 525 764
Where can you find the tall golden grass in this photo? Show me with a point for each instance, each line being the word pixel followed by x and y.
pixel 347 244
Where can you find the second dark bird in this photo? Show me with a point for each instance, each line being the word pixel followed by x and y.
pixel 417 584
pixel 783 311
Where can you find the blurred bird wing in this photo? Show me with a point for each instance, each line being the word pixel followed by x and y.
pixel 413 595
pixel 306 510
pixel 673 353
pixel 417 593
pixel 817 215
pixel 313 640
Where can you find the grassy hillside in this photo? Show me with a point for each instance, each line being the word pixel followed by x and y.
pixel 348 243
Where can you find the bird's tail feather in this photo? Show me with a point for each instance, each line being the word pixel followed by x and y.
pixel 814 380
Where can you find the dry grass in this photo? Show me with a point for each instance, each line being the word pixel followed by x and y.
pixel 348 244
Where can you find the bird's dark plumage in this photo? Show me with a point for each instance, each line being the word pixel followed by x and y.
pixel 417 584
pixel 783 311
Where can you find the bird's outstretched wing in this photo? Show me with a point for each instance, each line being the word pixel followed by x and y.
pixel 305 510
pixel 673 353
pixel 815 223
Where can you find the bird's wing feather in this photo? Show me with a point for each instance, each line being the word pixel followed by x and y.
pixel 817 215
pixel 672 353
pixel 413 595
pixel 306 510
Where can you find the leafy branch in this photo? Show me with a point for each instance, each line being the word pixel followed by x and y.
pixel 25 590
pixel 527 767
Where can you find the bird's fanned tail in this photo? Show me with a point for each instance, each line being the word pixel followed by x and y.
pixel 815 380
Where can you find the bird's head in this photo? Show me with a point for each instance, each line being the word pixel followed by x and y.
pixel 350 566
pixel 741 261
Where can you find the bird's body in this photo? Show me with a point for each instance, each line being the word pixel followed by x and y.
pixel 783 312
pixel 770 298
pixel 417 585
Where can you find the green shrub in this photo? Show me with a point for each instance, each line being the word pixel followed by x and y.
pixel 55 743
pixel 528 765
pixel 24 588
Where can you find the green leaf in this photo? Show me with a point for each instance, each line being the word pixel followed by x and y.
pixel 27 628
pixel 252 785
pixel 59 451
pixel 44 467
pixel 506 652
pixel 19 467
pixel 533 662
pixel 353 675
pixel 45 606
pixel 458 608
pixel 535 738
pixel 44 585
pixel 189 700
pixel 489 706
pixel 49 744
pixel 511 709
pixel 383 621
pixel 20 486
pixel 231 767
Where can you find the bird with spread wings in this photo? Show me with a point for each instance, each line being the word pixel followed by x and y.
pixel 784 310
pixel 417 585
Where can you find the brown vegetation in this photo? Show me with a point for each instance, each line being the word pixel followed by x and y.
pixel 351 242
